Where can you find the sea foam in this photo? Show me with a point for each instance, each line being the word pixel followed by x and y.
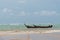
pixel 52 31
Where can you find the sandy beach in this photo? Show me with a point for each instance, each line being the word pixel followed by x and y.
pixel 30 35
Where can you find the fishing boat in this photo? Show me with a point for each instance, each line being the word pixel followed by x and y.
pixel 35 26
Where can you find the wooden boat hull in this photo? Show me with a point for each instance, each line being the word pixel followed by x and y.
pixel 50 26
pixel 38 27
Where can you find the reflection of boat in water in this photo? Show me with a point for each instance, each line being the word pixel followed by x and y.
pixel 35 26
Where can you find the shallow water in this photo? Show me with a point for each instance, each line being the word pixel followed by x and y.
pixel 8 27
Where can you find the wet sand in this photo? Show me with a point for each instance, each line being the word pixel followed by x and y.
pixel 32 35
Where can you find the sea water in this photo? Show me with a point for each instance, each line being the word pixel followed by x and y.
pixel 52 36
pixel 8 27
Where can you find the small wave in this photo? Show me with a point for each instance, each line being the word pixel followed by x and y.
pixel 52 31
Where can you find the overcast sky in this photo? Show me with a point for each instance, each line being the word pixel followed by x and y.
pixel 29 11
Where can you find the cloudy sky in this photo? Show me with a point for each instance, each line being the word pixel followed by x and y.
pixel 29 11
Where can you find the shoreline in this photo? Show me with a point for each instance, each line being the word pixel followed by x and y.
pixel 4 33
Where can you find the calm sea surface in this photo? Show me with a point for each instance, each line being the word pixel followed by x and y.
pixel 22 27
